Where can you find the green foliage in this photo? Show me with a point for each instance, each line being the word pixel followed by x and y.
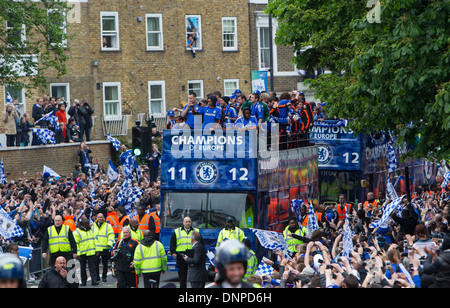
pixel 397 72
pixel 32 30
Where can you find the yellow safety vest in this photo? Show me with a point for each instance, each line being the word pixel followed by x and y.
pixel 150 259
pixel 235 234
pixel 252 264
pixel 292 241
pixel 135 235
pixel 59 242
pixel 85 242
pixel 183 239
pixel 104 236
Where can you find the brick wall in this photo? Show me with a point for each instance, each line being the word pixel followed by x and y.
pixel 61 158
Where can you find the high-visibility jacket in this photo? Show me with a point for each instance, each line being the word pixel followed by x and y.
pixel 291 242
pixel 59 242
pixel 183 239
pixel 150 259
pixel 342 211
pixel 252 264
pixel 157 222
pixel 104 236
pixel 370 205
pixel 234 234
pixel 122 221
pixel 143 222
pixel 113 219
pixel 70 222
pixel 85 242
pixel 135 235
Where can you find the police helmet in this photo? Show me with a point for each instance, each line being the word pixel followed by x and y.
pixel 11 267
pixel 229 252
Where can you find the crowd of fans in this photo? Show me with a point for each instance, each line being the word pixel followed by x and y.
pixel 74 122
pixel 294 115
pixel 412 252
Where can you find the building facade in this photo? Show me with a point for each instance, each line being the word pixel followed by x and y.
pixel 130 59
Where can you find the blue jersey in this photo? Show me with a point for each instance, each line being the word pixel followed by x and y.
pixel 257 111
pixel 242 122
pixel 125 155
pixel 230 112
pixel 190 114
pixel 210 115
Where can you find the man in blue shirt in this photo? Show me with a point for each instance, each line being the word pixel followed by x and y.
pixel 190 109
pixel 246 122
pixel 229 114
pixel 256 108
pixel 211 113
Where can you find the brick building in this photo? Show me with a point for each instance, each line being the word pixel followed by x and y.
pixel 286 76
pixel 130 58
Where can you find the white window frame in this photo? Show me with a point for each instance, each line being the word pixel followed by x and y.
pixel 117 32
pixel 199 38
pixel 119 113
pixel 64 26
pixel 163 94
pixel 62 84
pixel 161 40
pixel 235 47
pixel 202 94
pixel 225 81
pixel 23 35
pixel 260 49
pixel 24 102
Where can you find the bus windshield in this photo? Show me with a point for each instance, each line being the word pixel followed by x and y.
pixel 208 210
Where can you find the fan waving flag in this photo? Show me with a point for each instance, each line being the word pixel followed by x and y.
pixel 45 135
pixel 312 221
pixel 391 158
pixel 389 209
pixel 264 269
pixel 296 206
pixel 8 227
pixel 271 239
pixel 9 98
pixel 115 142
pixel 446 180
pixel 2 173
pixel 51 172
pixel 348 240
pixel 113 174
pixel 391 194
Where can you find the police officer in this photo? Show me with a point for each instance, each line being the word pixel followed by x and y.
pixel 104 236
pixel 231 262
pixel 179 243
pixel 60 241
pixel 123 256
pixel 252 263
pixel 230 232
pixel 11 272
pixel 293 228
pixel 85 239
pixel 150 259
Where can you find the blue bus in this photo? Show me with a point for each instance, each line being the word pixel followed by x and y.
pixel 355 164
pixel 211 176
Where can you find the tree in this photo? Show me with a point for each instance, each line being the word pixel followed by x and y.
pixel 395 73
pixel 32 42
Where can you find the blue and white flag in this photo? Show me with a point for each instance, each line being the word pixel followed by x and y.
pixel 115 142
pixel 52 119
pixel 264 269
pixel 270 239
pixel 446 180
pixel 8 227
pixel 51 172
pixel 25 253
pixel 9 98
pixel 296 206
pixel 347 243
pixel 391 194
pixel 91 184
pixel 2 173
pixel 392 207
pixel 45 135
pixel 129 165
pixel 312 221
pixel 113 174
pixel 391 158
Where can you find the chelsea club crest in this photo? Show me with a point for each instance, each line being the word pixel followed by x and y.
pixel 325 154
pixel 206 172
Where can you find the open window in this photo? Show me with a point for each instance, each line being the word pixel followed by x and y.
pixel 193 32
pixel 110 30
